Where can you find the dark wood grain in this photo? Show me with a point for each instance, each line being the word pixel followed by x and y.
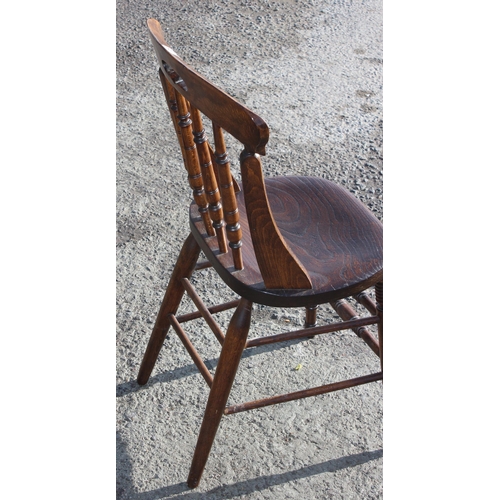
pixel 229 203
pixel 347 313
pixel 192 161
pixel 173 296
pixel 203 309
pixel 311 313
pixel 334 235
pixel 223 380
pixel 295 242
pixel 277 263
pixel 209 179
pixel 239 121
pixel 169 92
pixel 365 301
pixel 316 330
pixel 191 350
pixel 306 393
pixel 212 310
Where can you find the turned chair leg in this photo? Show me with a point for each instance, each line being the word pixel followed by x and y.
pixel 379 298
pixel 225 372
pixel 173 296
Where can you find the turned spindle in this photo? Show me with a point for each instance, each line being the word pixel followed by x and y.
pixel 229 203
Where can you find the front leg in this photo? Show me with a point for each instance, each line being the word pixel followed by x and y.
pixel 227 366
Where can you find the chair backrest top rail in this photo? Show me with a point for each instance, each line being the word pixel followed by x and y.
pixel 236 119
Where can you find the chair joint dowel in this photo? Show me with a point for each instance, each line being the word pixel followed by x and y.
pixel 204 264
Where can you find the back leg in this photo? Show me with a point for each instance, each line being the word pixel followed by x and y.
pixel 311 318
pixel 173 296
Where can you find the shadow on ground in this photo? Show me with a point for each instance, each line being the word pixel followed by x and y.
pixel 125 490
pixel 132 386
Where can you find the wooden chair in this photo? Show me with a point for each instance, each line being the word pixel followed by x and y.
pixel 282 241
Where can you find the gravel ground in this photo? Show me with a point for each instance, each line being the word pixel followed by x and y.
pixel 313 71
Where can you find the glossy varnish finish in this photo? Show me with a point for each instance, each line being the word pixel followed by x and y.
pixel 315 228
pixel 209 180
pixel 231 212
pixel 278 265
pixel 282 241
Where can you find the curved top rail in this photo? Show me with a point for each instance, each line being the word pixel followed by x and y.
pixel 251 130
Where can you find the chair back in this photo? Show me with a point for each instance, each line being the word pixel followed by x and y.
pixel 189 95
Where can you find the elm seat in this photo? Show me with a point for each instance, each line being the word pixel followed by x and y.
pixel 283 241
pixel 352 235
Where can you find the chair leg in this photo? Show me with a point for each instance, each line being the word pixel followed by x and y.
pixel 173 296
pixel 311 318
pixel 379 298
pixel 223 380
